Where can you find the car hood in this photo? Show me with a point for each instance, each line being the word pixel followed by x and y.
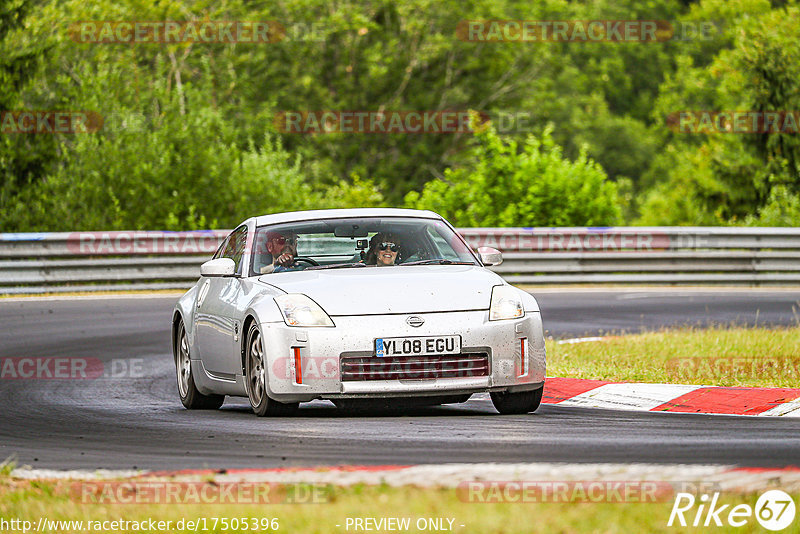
pixel 379 290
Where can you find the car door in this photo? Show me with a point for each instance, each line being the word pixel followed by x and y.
pixel 218 327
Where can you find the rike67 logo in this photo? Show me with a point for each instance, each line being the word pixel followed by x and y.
pixel 774 510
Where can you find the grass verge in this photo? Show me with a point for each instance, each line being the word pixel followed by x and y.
pixel 759 357
pixel 56 501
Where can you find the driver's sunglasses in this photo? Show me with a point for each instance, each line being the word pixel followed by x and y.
pixel 282 240
pixel 392 246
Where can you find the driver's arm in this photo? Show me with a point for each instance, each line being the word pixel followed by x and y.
pixel 281 263
pixel 284 260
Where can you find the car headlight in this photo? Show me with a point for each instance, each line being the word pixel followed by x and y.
pixel 506 304
pixel 300 310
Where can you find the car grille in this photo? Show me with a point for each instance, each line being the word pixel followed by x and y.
pixel 414 367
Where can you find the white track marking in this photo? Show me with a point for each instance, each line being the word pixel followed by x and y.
pixel 629 396
pixel 787 409
pixel 578 340
pixel 29 473
pixel 723 477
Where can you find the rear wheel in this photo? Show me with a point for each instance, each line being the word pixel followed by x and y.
pixel 517 403
pixel 256 375
pixel 187 391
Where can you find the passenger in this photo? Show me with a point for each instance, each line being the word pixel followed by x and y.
pixel 283 248
pixel 384 249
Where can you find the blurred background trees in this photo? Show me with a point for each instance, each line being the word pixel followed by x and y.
pixel 190 141
pixel 529 185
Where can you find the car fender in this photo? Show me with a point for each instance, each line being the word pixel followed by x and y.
pixel 184 309
pixel 538 351
pixel 529 302
pixel 263 307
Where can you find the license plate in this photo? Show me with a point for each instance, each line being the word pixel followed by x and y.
pixel 412 346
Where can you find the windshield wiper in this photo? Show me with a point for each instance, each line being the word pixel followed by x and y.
pixel 438 262
pixel 335 266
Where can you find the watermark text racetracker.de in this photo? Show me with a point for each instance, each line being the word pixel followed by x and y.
pixel 30 121
pixel 507 240
pixel 578 239
pixel 576 491
pixel 195 492
pixel 198 31
pixel 585 31
pixel 766 367
pixel 69 368
pixel 324 368
pixel 451 121
pixel 735 122
pixel 373 122
pixel 143 242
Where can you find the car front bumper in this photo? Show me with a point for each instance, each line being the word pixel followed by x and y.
pixel 305 363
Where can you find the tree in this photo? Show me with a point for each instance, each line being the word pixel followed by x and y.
pixel 528 185
pixel 727 178
pixel 22 158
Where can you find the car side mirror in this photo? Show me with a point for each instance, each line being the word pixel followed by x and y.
pixel 490 256
pixel 218 267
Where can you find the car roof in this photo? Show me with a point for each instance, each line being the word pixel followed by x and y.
pixel 310 215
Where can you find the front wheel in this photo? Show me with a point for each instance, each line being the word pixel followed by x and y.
pixel 191 398
pixel 256 374
pixel 517 403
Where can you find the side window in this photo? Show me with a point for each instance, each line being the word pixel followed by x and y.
pixel 218 253
pixel 234 247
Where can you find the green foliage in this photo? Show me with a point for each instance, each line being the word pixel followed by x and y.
pixel 528 185
pixel 186 173
pixel 190 140
pixel 17 63
pixel 7 466
pixel 703 188
pixel 360 192
pixel 22 159
pixel 782 209
pixel 730 178
pixel 766 77
pixel 364 56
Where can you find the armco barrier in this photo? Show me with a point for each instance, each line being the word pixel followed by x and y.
pixel 80 261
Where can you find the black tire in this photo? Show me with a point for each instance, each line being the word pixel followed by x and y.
pixel 517 403
pixel 256 379
pixel 190 397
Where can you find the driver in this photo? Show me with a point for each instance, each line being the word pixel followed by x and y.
pixel 283 248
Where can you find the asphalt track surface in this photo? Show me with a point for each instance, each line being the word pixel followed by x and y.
pixel 137 421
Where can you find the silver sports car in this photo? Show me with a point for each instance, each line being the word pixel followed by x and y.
pixel 358 306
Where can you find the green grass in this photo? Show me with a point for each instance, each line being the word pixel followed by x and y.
pixel 715 356
pixel 54 500
pixel 7 466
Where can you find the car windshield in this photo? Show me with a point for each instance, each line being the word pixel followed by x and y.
pixel 357 242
